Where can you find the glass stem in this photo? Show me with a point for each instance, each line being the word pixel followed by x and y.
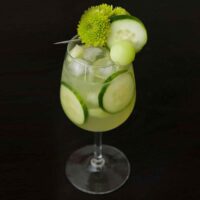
pixel 98 146
pixel 98 161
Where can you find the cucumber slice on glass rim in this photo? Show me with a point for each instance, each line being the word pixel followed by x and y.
pixel 117 92
pixel 73 105
pixel 125 27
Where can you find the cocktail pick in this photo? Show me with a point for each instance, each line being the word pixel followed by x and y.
pixel 67 41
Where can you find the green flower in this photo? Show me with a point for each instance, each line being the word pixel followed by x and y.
pixel 120 11
pixel 94 25
pixel 104 9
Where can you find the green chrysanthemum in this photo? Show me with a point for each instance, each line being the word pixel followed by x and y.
pixel 104 9
pixel 94 26
pixel 120 11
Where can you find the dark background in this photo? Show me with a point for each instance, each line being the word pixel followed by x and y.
pixel 161 137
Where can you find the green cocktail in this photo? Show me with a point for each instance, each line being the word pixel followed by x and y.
pixel 98 92
pixel 103 92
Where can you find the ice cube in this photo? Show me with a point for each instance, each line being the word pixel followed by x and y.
pixel 92 98
pixel 77 67
pixel 93 53
pixel 77 51
pixel 103 62
pixel 104 72
pixel 104 67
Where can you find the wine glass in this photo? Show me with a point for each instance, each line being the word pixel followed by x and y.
pixel 96 95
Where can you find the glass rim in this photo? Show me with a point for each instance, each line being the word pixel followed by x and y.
pixel 76 39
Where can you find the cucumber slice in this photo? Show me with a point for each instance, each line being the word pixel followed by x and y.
pixel 125 27
pixel 73 105
pixel 117 92
pixel 98 113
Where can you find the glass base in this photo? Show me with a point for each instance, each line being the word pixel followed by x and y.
pixel 85 176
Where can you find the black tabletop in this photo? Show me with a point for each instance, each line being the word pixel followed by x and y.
pixel 160 138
